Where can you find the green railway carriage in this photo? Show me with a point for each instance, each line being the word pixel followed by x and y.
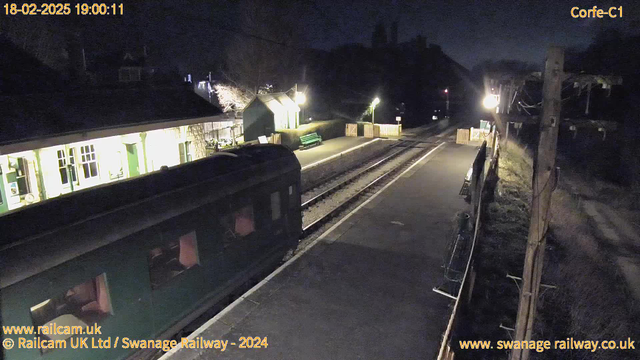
pixel 142 258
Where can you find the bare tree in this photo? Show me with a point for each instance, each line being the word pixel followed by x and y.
pixel 38 36
pixel 267 47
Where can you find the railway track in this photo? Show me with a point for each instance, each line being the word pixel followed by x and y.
pixel 324 194
pixel 360 192
pixel 363 191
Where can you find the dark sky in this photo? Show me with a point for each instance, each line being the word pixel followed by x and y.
pixel 188 33
pixel 470 31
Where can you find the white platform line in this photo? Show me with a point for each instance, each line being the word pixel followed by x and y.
pixel 337 155
pixel 214 319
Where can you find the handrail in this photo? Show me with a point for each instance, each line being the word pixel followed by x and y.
pixel 446 337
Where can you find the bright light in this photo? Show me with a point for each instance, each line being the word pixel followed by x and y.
pixel 446 91
pixel 490 101
pixel 301 98
pixel 375 102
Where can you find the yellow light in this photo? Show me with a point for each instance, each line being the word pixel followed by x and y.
pixel 301 98
pixel 490 101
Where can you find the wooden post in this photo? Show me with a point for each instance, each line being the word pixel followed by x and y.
pixel 543 186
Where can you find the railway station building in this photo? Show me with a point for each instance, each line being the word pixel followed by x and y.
pixel 56 143
pixel 269 113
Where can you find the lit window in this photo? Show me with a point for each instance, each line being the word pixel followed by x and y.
pixel 89 162
pixel 170 260
pixel 66 167
pixel 238 224
pixel 22 176
pixel 78 307
pixel 275 206
pixel 185 152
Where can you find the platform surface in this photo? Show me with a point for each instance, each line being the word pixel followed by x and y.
pixel 363 291
pixel 328 148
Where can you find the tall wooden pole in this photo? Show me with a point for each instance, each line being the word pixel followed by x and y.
pixel 543 185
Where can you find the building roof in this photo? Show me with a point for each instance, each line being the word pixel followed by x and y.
pixel 37 116
pixel 276 102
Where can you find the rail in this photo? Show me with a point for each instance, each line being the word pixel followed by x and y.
pixel 307 230
pixel 359 174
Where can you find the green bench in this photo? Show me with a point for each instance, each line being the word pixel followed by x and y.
pixel 310 140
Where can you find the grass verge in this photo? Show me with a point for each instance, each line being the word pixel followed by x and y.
pixel 591 301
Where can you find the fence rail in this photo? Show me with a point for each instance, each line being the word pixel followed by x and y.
pixel 485 169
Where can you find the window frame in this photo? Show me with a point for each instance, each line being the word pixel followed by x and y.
pixel 88 156
pixel 166 248
pixel 88 308
pixel 184 150
pixel 277 196
pixel 129 74
pixel 229 224
pixel 66 162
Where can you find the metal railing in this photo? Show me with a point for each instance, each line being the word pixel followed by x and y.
pixel 485 168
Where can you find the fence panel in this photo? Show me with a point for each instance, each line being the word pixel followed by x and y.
pixel 389 129
pixel 351 130
pixel 462 137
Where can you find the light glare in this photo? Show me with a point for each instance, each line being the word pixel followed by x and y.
pixel 301 98
pixel 490 101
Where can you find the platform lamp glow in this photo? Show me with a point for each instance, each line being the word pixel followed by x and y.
pixel 490 101
pixel 446 92
pixel 300 98
pixel 375 102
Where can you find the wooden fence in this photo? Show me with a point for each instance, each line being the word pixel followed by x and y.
pixel 390 129
pixel 351 130
pixel 384 130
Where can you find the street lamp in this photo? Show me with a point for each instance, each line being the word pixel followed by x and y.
pixel 375 102
pixel 446 91
pixel 301 98
pixel 490 101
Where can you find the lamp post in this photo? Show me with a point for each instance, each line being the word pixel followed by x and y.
pixel 375 102
pixel 446 92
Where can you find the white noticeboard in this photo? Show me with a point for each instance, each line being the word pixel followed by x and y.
pixel 398 118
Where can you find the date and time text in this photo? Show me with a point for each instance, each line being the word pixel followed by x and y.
pixel 57 9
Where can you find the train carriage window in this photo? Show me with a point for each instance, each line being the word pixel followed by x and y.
pixel 82 305
pixel 293 201
pixel 238 224
pixel 170 260
pixel 275 206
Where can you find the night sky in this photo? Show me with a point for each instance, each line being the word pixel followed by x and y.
pixel 471 31
pixel 192 34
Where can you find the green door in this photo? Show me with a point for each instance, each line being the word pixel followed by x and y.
pixel 3 197
pixel 132 160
